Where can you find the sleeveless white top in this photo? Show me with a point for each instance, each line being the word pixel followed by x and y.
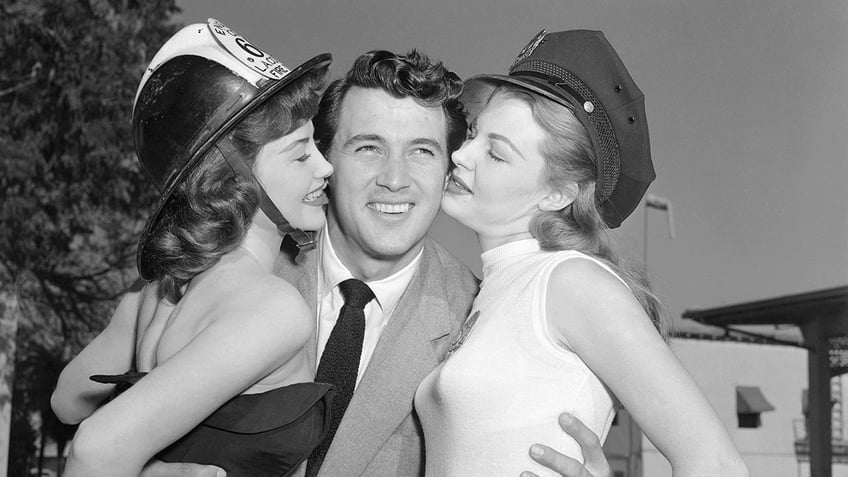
pixel 505 385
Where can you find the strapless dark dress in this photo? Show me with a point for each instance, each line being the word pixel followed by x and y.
pixel 253 435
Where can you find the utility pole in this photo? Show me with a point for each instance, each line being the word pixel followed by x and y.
pixel 8 330
pixel 659 203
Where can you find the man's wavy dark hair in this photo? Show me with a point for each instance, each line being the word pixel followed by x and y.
pixel 412 75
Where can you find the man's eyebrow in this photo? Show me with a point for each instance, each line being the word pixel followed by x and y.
pixel 429 142
pixel 362 137
pixel 509 143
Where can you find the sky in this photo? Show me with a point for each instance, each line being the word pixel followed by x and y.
pixel 747 105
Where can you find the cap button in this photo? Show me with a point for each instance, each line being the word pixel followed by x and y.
pixel 588 106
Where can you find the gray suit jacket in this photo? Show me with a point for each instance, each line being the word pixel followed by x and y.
pixel 380 434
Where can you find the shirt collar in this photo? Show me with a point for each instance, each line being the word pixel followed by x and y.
pixel 387 291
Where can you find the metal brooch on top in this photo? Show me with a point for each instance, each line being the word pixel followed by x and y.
pixel 464 332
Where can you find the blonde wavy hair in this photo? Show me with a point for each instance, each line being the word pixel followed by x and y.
pixel 570 158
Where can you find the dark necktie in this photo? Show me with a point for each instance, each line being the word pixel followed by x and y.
pixel 340 362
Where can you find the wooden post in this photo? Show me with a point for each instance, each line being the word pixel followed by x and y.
pixel 8 330
pixel 819 407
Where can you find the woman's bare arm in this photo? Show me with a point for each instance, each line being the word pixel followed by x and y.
pixel 111 352
pixel 245 343
pixel 601 319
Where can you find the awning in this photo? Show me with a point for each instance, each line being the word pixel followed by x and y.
pixel 750 400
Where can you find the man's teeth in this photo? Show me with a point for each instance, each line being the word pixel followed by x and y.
pixel 313 195
pixel 390 208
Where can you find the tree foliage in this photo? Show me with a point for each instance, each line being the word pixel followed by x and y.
pixel 72 197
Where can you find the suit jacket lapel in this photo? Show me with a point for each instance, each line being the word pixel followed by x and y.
pixel 404 356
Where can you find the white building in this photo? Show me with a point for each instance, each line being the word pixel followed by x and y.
pixel 723 367
pixel 759 390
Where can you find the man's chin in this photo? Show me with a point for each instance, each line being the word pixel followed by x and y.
pixel 390 243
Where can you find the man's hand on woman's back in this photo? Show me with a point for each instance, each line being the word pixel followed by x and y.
pixel 157 468
pixel 596 464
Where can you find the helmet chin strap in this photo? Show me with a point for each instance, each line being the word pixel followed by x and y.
pixel 236 161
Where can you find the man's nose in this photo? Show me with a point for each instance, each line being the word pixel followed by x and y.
pixel 394 174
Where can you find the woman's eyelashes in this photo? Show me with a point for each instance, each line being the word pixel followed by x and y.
pixel 471 133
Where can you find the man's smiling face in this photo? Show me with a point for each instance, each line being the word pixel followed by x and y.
pixel 390 158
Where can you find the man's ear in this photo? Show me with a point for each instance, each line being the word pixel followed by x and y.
pixel 559 199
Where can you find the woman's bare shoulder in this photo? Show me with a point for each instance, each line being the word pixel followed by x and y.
pixel 260 297
pixel 583 278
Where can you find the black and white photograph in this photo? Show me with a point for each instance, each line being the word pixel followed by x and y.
pixel 423 238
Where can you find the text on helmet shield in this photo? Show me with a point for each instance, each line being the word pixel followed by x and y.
pixel 247 53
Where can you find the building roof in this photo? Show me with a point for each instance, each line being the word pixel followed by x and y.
pixel 830 305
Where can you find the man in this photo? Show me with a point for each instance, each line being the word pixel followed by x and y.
pixel 388 127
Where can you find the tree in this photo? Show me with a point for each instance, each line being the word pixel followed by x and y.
pixel 72 197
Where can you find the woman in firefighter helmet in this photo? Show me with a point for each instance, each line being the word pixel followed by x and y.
pixel 214 341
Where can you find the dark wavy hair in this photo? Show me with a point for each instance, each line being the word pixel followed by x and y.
pixel 413 75
pixel 209 213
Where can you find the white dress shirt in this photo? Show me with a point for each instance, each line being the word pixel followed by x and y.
pixel 387 293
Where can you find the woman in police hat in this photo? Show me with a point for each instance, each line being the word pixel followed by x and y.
pixel 557 153
pixel 215 341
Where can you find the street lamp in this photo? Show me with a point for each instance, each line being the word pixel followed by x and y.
pixel 659 203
